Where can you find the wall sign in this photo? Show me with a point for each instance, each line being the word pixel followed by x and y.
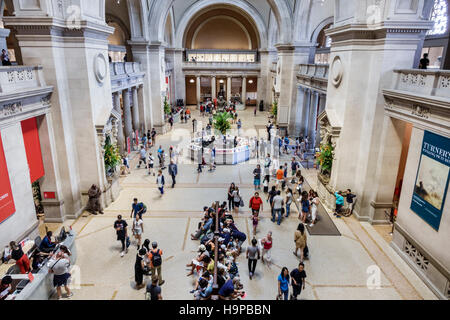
pixel 7 207
pixel 432 179
pixel 49 195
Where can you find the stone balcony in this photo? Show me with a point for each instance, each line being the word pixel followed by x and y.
pixel 221 68
pixel 125 75
pixel 421 97
pixel 423 82
pixel 314 76
pixel 23 93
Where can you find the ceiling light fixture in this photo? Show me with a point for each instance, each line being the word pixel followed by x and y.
pixel 192 81
pixel 250 81
pixel 221 81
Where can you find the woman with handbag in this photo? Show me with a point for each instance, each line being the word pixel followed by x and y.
pixel 59 266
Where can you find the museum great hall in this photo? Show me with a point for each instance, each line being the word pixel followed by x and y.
pixel 81 78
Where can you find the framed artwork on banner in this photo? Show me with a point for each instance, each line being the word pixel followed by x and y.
pixel 432 179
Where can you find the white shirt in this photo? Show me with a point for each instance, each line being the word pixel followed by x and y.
pixel 151 159
pixel 138 225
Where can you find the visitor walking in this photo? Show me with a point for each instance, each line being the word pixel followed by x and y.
pixel 283 284
pixel 160 181
pixel 173 171
pixel 230 196
pixel 295 165
pixel 339 203
pixel 236 199
pixel 151 162
pixel 314 206
pixel 256 204
pixel 289 197
pixel 298 276
pixel 154 136
pixel 267 243
pixel 59 265
pixel 300 241
pixel 137 209
pixel 257 177
pixel 153 291
pixel 142 157
pixel 155 257
pixel 122 234
pixel 139 267
pixel 305 207
pixel 277 207
pixel 253 255
pixel 138 230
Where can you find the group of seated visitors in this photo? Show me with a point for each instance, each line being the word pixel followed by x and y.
pixel 230 241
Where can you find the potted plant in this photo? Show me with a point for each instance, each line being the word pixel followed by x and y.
pixel 167 109
pixel 221 122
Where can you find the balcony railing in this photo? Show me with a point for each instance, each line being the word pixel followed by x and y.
pixel 423 82
pixel 20 78
pixel 124 68
pixel 314 70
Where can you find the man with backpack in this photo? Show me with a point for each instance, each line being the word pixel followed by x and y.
pixel 137 209
pixel 155 258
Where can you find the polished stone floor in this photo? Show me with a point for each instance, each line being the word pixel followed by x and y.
pixel 337 269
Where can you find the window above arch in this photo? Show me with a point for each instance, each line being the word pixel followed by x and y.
pixel 439 15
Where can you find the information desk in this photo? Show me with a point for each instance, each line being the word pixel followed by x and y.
pixel 41 288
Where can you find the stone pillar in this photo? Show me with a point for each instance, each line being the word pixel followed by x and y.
pixel 55 209
pixel 198 90
pixel 311 133
pixel 120 136
pixel 158 85
pixel 135 110
pixel 304 124
pixel 4 33
pixel 142 123
pixel 244 90
pixel 141 54
pixel 178 76
pixel 228 88
pixel 213 88
pixel 128 124
pixel 322 103
pixel 264 84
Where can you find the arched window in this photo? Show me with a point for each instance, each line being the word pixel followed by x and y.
pixel 440 18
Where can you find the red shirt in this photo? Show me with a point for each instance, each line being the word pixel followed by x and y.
pixel 255 203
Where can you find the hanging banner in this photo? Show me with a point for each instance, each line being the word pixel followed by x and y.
pixel 137 137
pixel 33 148
pixel 128 145
pixel 432 179
pixel 7 207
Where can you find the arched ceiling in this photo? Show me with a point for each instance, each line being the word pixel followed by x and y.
pixel 220 28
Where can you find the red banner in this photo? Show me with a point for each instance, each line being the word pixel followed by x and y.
pixel 7 207
pixel 137 137
pixel 33 148
pixel 128 145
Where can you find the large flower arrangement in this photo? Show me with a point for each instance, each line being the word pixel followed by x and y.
pixel 112 156
pixel 325 159
pixel 274 110
pixel 167 109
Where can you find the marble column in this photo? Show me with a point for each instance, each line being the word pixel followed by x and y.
pixel 322 104
pixel 199 91
pixel 127 114
pixel 135 110
pixel 305 113
pixel 213 87
pixel 311 133
pixel 120 136
pixel 140 95
pixel 228 89
pixel 244 90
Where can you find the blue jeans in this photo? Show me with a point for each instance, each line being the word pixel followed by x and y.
pixel 285 294
pixel 274 212
pixel 288 209
pixel 161 190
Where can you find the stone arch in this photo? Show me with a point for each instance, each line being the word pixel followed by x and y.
pixel 193 10
pixel 316 31
pixel 284 17
pixel 110 18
